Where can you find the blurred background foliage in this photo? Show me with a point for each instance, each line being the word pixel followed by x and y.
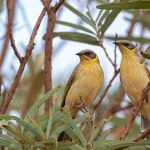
pixel 87 27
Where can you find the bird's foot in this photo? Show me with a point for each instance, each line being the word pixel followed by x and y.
pixel 134 112
pixel 82 106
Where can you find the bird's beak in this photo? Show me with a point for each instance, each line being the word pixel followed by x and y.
pixel 79 54
pixel 116 43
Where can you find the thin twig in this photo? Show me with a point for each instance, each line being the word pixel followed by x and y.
pixel 136 111
pixel 105 51
pixel 106 89
pixel 6 41
pixel 10 31
pixel 115 54
pixel 57 6
pixel 28 53
pixel 142 135
pixel 115 106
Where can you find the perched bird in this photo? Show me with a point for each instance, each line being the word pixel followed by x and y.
pixel 134 78
pixel 85 82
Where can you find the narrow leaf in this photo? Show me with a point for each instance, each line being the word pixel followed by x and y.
pixel 109 20
pixel 135 39
pixel 75 26
pixel 76 130
pixel 41 101
pixel 79 14
pixel 126 5
pixel 77 37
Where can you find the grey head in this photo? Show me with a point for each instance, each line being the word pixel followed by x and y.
pixel 88 53
pixel 126 44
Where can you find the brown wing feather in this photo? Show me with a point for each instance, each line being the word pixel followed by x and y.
pixel 70 81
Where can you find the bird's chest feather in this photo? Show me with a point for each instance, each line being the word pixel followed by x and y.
pixel 133 77
pixel 87 84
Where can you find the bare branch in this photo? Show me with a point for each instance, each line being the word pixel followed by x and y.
pixel 10 31
pixel 106 89
pixel 136 110
pixel 48 50
pixel 142 135
pixel 30 46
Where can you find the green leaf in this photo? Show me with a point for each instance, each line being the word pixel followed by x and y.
pixel 120 144
pixel 77 37
pixel 135 39
pixel 38 129
pixel 41 101
pixel 77 147
pixel 75 26
pixel 79 14
pixel 7 141
pixel 50 120
pixel 146 54
pixel 109 20
pixel 126 5
pixel 81 118
pixel 104 15
pixel 101 138
pixel 76 130
pixel 18 135
pixel 21 122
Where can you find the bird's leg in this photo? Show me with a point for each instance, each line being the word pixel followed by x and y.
pixel 134 111
pixel 82 105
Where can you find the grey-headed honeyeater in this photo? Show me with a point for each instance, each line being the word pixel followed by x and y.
pixel 134 78
pixel 85 82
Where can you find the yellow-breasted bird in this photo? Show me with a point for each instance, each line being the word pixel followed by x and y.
pixel 85 82
pixel 134 78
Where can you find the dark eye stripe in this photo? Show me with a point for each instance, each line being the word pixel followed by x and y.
pixel 129 46
pixel 90 55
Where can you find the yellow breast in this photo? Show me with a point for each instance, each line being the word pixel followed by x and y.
pixel 88 82
pixel 134 79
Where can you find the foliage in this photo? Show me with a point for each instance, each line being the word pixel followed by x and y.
pixel 34 129
pixel 43 132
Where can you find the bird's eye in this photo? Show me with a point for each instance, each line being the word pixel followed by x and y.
pixel 90 55
pixel 129 46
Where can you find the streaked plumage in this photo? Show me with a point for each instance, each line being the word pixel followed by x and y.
pixel 134 77
pixel 85 82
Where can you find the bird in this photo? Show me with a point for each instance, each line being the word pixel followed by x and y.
pixel 134 78
pixel 84 83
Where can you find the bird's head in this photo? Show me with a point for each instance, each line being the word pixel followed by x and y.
pixel 88 56
pixel 126 46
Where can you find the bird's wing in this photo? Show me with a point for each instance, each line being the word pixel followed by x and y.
pixel 70 82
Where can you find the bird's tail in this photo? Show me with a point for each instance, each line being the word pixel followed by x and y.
pixel 63 136
pixel 145 123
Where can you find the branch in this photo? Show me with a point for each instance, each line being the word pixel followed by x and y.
pixel 136 111
pixel 142 135
pixel 106 89
pixel 115 106
pixel 28 53
pixel 10 31
pixel 48 55
pixel 57 6
pixel 6 41
pixel 48 50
